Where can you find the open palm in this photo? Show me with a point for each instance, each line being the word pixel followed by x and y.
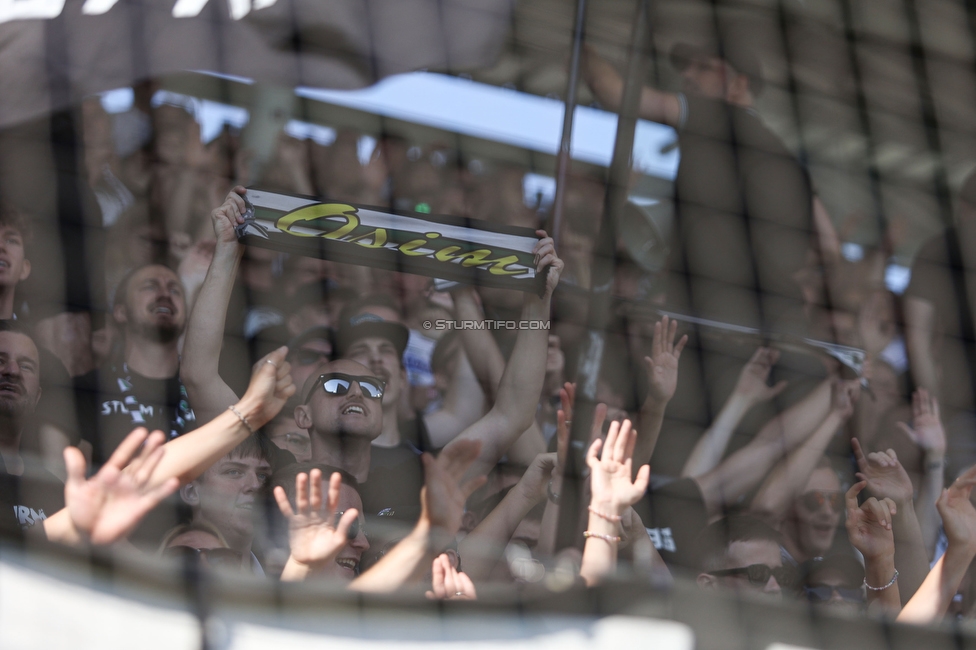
pixel 313 535
pixel 662 365
pixel 611 471
pixel 106 507
pixel 958 514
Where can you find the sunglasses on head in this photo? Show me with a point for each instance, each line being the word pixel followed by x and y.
pixel 338 383
pixel 214 557
pixel 758 574
pixel 815 499
pixel 823 593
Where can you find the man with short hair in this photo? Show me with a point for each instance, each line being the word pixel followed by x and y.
pixel 227 494
pixel 342 403
pixel 742 553
pixel 142 388
pixel 27 490
pixel 369 330
pixel 15 235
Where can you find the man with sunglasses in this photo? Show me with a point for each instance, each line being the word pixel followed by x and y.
pixel 836 580
pixel 742 553
pixel 341 412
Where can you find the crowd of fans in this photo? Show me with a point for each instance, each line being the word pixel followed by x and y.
pixel 289 417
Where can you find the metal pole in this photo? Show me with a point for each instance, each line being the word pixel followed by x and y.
pixel 604 263
pixel 562 158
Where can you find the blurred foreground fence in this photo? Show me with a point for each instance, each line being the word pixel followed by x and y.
pixel 111 602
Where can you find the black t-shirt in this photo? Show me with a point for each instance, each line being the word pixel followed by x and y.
pixel 114 400
pixel 743 216
pixel 674 514
pixel 936 280
pixel 396 474
pixel 29 499
pixel 392 489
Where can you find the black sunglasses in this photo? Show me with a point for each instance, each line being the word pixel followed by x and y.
pixel 354 527
pixel 215 557
pixel 823 593
pixel 758 574
pixel 338 383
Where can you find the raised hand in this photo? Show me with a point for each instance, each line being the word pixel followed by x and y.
pixel 754 375
pixel 536 477
pixel 447 583
pixel 545 255
pixel 443 496
pixel 314 536
pixel 884 475
pixel 611 482
pixel 229 215
pixel 564 416
pixel 842 397
pixel 869 525
pixel 271 386
pixel 109 505
pixel 926 430
pixel 662 365
pixel 958 514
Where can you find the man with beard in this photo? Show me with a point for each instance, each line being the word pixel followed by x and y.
pixel 142 387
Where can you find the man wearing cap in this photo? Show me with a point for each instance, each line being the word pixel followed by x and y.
pixel 743 204
pixel 343 404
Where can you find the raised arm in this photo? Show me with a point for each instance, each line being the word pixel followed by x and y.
pixel 106 507
pixel 869 529
pixel 488 365
pixel 564 416
pixel 442 502
pixel 928 433
pixel 468 391
pixel 521 383
pixel 608 86
pixel 464 403
pixel 662 380
pixel 746 468
pixel 785 482
pixel 931 601
pixel 483 547
pixel 919 340
pixel 750 389
pixel 887 479
pixel 192 453
pixel 613 491
pixel 206 390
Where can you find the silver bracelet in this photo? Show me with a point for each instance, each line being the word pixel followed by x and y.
pixel 890 582
pixel 553 497
pixel 241 418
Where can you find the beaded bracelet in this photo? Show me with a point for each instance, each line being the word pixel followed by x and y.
pixel 605 538
pixel 241 418
pixel 603 515
pixel 890 582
